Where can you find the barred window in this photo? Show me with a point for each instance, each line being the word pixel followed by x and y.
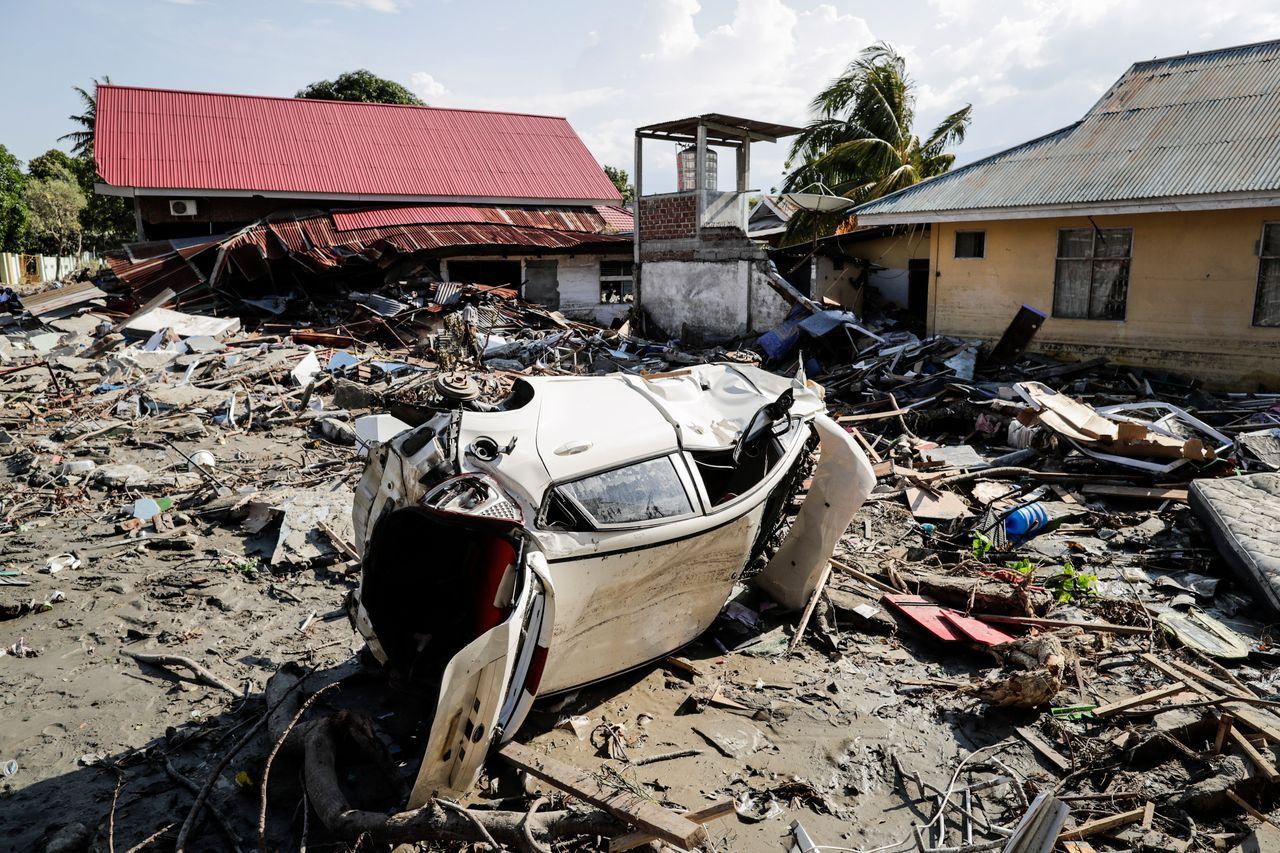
pixel 1091 278
pixel 1266 305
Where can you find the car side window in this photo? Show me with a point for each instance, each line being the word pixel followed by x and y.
pixel 645 491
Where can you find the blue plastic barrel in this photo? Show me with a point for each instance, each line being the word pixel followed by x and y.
pixel 1025 521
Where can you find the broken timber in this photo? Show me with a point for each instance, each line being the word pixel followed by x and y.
pixel 632 840
pixel 624 805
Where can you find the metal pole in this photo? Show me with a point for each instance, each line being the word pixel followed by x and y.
pixel 635 239
pixel 700 176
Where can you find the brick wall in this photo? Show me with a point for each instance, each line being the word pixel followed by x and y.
pixel 668 217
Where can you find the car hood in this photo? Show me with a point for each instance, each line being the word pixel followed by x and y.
pixel 583 424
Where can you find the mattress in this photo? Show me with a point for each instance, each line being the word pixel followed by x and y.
pixel 1243 516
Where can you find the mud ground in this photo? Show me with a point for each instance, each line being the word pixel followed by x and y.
pixel 81 715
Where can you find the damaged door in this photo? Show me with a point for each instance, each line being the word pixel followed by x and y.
pixel 488 687
pixel 541 283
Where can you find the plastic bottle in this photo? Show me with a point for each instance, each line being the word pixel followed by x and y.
pixel 1025 521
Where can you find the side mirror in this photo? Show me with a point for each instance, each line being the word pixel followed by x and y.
pixel 761 423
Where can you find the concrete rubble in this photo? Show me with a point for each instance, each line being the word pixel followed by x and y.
pixel 1027 639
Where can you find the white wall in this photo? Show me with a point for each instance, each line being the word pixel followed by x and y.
pixel 12 266
pixel 892 285
pixel 578 280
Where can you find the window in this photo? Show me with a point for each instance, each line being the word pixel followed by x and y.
pixel 1091 280
pixel 615 281
pixel 645 491
pixel 971 244
pixel 1266 305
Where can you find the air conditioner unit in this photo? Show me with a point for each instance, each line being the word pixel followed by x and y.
pixel 182 207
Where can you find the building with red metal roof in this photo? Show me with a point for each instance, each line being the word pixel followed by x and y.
pixel 484 197
pixel 158 142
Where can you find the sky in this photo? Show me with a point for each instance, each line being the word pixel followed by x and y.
pixel 1027 66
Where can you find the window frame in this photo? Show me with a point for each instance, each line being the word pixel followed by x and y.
pixel 1093 258
pixel 1257 284
pixel 691 493
pixel 625 282
pixel 956 247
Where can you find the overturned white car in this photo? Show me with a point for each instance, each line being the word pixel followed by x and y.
pixel 583 527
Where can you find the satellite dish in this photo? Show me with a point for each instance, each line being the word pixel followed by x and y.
pixel 819 202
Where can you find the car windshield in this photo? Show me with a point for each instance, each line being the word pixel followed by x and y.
pixel 641 492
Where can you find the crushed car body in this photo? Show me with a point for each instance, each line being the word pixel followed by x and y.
pixel 582 527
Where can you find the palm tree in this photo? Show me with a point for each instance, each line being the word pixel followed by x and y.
pixel 82 140
pixel 860 142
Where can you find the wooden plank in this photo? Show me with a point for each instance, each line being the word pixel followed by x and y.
pixel 663 824
pixel 1224 727
pixel 1265 767
pixel 865 578
pixel 1079 847
pixel 1244 804
pixel 1105 627
pixel 1141 699
pixel 871 416
pixel 1148 815
pixel 1266 723
pixel 1134 492
pixel 632 840
pixel 1103 824
pixel 808 609
pixel 1042 746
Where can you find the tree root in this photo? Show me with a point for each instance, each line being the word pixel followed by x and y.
pixel 316 741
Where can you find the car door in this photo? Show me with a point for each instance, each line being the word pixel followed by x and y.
pixel 487 688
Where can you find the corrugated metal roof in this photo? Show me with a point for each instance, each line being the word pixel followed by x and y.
pixel 617 220
pixel 1191 125
pixel 165 139
pixel 567 218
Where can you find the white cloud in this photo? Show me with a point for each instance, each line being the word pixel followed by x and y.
pixel 385 6
pixel 1027 66
pixel 426 87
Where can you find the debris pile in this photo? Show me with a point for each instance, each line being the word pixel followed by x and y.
pixel 1047 630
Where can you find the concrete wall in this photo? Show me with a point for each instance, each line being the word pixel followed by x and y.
pixel 716 299
pixel 1192 284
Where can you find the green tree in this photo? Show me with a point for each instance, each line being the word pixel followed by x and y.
pixel 622 181
pixel 55 207
pixel 82 140
pixel 107 220
pixel 360 85
pixel 860 143
pixel 54 164
pixel 13 207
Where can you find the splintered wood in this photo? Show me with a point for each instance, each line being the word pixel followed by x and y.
pixel 648 816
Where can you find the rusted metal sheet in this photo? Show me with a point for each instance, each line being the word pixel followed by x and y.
pixel 1191 125
pixel 566 218
pixel 52 302
pixel 164 139
pixel 316 245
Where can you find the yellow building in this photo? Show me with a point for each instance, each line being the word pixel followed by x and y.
pixel 1148 232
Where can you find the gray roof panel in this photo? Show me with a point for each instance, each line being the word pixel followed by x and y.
pixel 1188 125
